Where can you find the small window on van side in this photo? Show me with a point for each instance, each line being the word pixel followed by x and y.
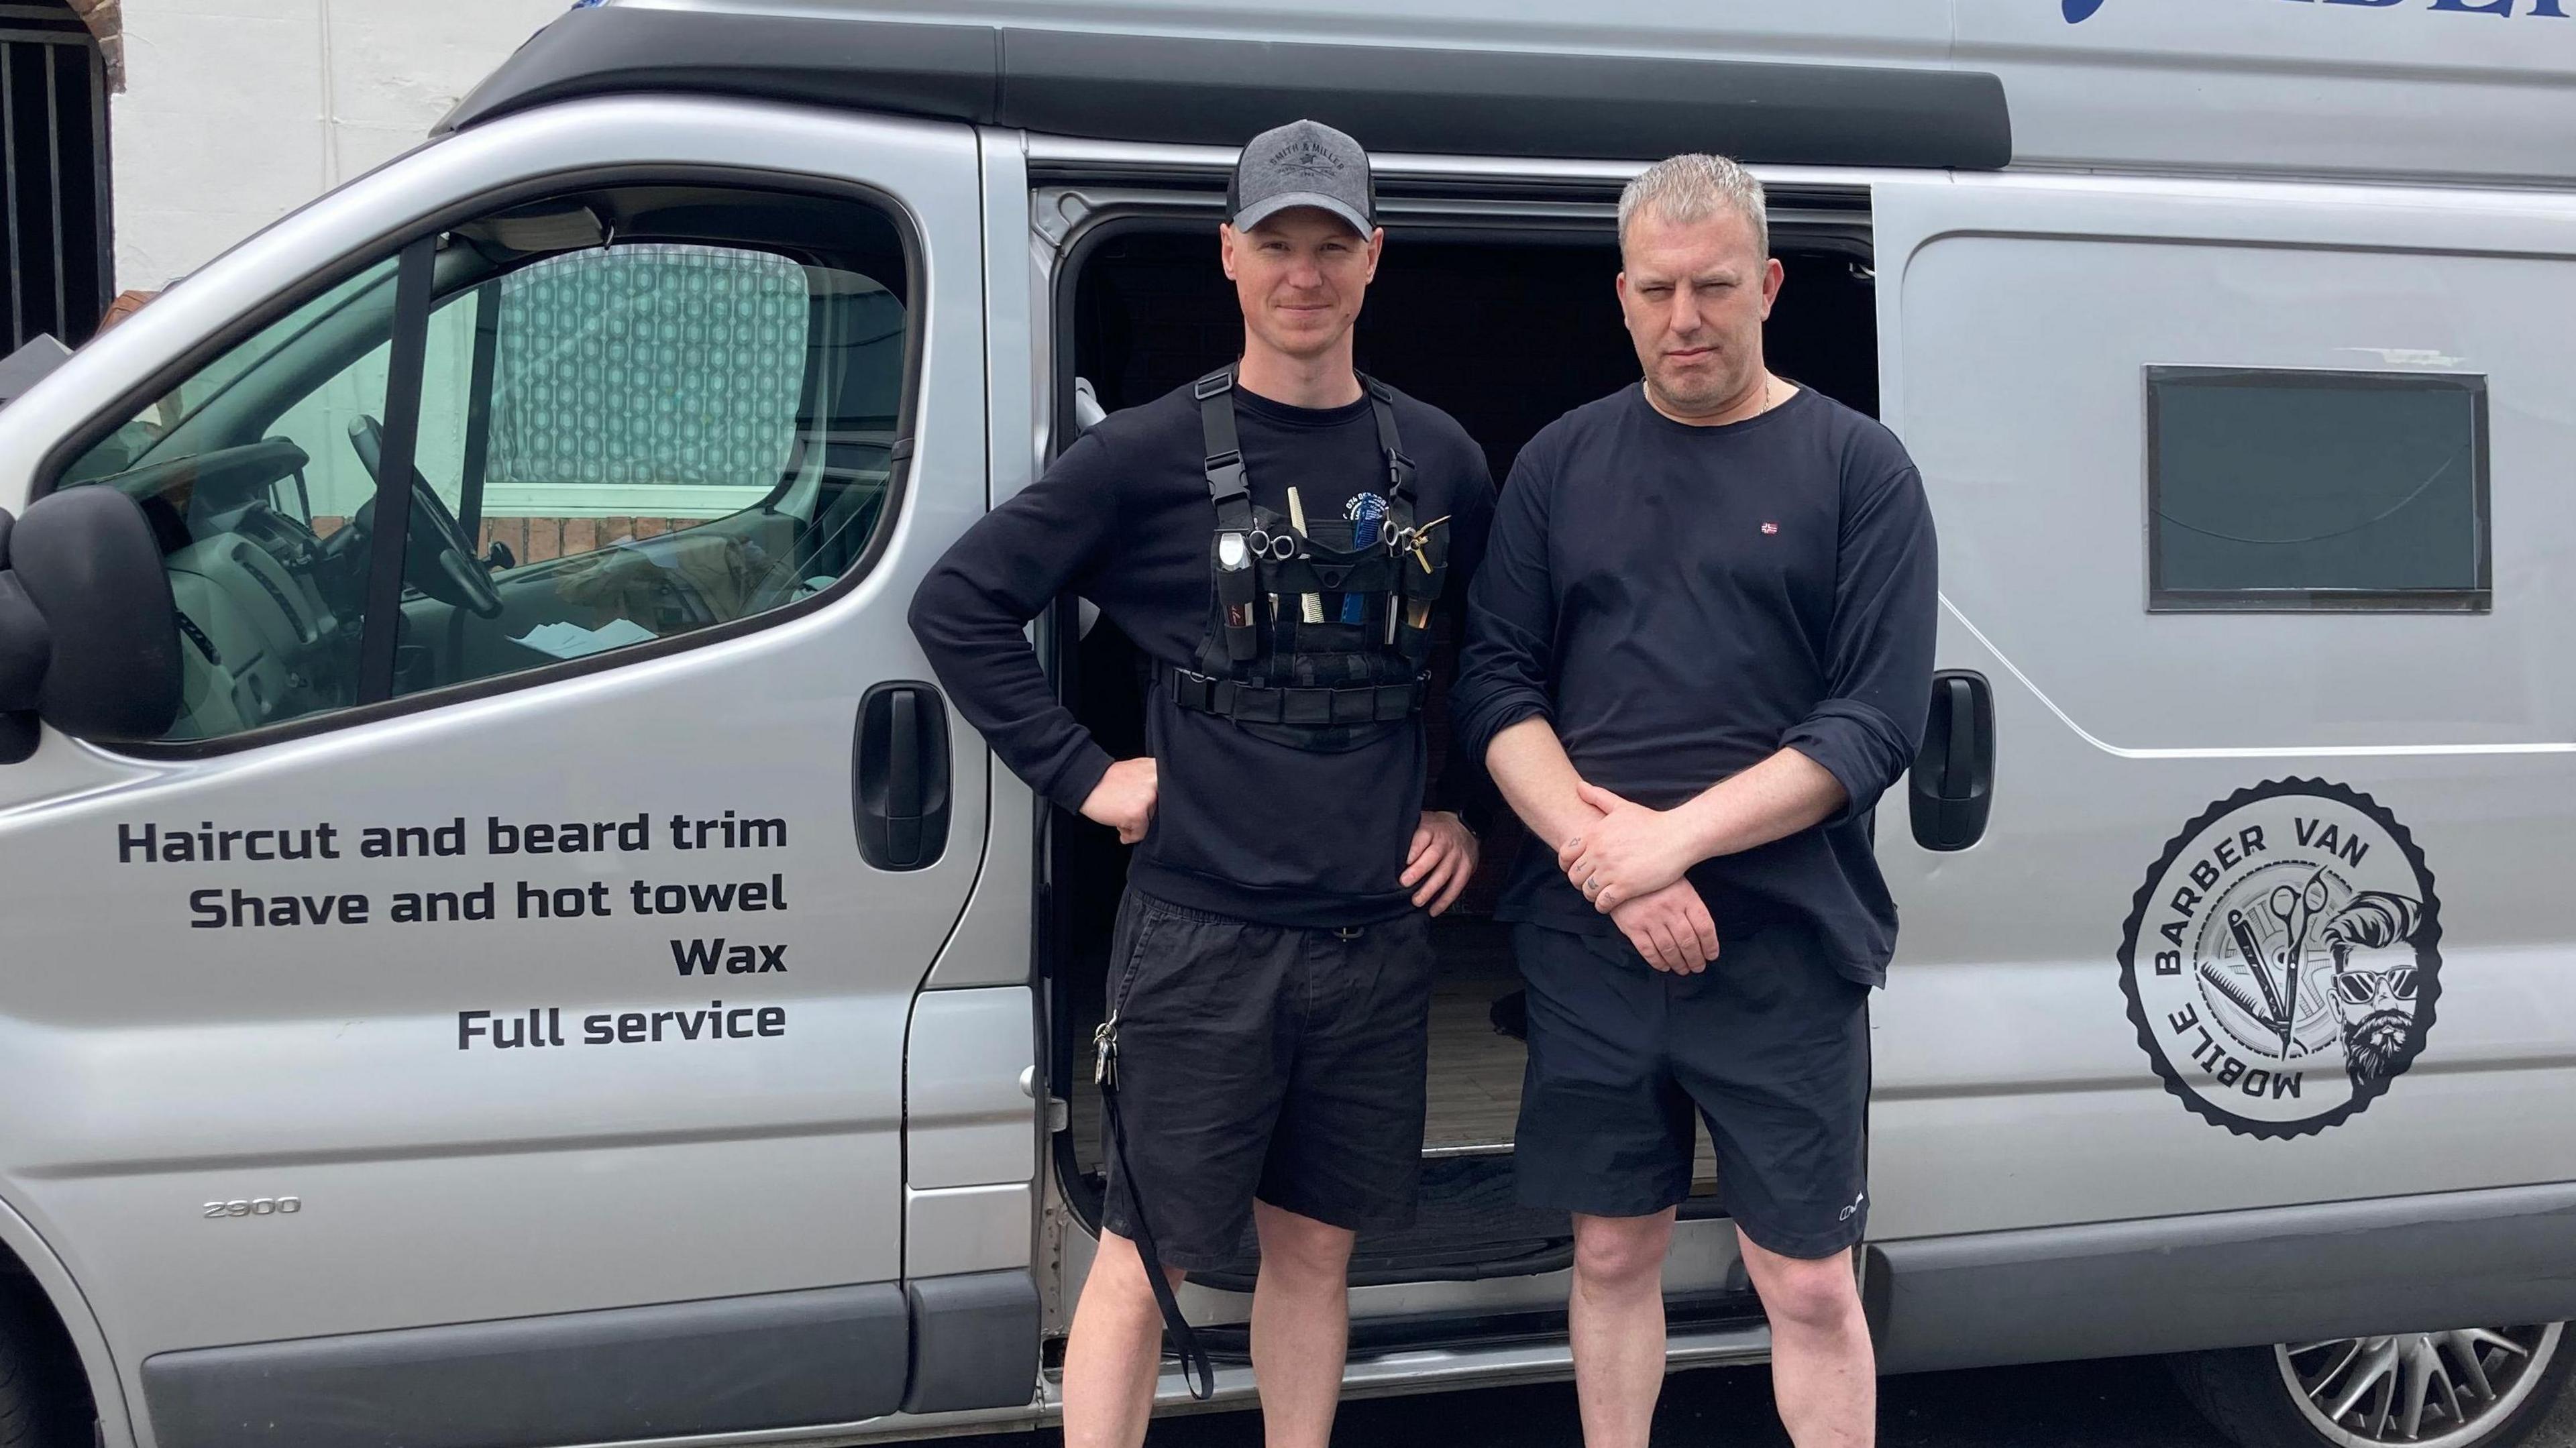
pixel 642 413
pixel 2278 490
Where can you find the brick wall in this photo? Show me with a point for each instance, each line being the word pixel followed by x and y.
pixel 534 540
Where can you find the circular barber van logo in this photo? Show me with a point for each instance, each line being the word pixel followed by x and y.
pixel 2282 959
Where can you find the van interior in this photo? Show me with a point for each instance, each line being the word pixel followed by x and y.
pixel 258 475
pixel 1505 329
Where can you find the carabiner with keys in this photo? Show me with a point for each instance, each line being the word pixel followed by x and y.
pixel 1104 1056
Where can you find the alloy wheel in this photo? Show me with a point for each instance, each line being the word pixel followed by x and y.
pixel 2427 1389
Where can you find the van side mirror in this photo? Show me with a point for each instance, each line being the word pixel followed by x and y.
pixel 89 632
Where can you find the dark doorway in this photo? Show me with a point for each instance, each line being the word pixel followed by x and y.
pixel 1505 332
pixel 53 173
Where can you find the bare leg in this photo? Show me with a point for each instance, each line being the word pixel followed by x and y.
pixel 1301 1325
pixel 1114 1352
pixel 1617 1321
pixel 1823 1371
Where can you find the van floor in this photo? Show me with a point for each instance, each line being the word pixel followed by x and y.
pixel 1475 1068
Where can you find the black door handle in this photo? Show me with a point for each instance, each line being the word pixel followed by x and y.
pixel 899 776
pixel 1953 783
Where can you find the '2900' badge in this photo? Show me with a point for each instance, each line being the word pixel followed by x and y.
pixel 2283 958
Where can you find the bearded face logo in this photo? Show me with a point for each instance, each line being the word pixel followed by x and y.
pixel 2375 999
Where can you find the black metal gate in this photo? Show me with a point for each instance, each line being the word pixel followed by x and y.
pixel 53 173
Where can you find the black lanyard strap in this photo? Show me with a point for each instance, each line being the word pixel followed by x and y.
pixel 1194 1358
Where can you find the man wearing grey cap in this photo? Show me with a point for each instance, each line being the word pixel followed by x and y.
pixel 1279 539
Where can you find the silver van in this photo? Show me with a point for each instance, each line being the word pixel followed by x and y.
pixel 505 947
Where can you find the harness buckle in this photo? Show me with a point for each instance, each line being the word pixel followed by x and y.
pixel 1192 689
pixel 1225 478
pixel 1216 382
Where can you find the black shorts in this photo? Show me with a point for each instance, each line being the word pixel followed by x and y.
pixel 1265 1061
pixel 1770 1045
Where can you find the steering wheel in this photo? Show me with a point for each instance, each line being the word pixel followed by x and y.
pixel 438 558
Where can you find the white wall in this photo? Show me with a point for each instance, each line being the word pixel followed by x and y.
pixel 235 112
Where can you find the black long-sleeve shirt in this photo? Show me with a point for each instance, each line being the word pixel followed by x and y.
pixel 1243 827
pixel 1683 602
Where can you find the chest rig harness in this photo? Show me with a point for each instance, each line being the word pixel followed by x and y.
pixel 1317 633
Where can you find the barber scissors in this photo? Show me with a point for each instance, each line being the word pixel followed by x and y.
pixel 1277 546
pixel 2296 910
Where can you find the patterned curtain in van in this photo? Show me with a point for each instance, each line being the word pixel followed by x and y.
pixel 648 365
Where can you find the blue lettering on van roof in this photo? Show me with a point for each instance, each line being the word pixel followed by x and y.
pixel 2078 11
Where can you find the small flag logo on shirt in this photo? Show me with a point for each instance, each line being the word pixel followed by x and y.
pixel 1770 528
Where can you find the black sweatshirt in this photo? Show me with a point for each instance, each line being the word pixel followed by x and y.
pixel 1243 827
pixel 1683 602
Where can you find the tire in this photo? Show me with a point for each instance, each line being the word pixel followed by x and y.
pixel 2261 1397
pixel 43 1403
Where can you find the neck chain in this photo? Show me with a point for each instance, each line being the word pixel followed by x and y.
pixel 1767 403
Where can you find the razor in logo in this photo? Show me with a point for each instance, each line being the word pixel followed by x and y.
pixel 2081 10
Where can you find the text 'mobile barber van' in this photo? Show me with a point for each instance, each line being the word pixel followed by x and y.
pixel 501 944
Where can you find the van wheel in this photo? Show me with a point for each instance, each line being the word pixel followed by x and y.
pixel 42 1403
pixel 2477 1388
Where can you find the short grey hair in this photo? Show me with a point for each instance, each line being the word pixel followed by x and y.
pixel 1694 187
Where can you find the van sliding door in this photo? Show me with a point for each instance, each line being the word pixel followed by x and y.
pixel 2255 515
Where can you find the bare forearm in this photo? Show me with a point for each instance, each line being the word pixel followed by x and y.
pixel 1782 795
pixel 1529 766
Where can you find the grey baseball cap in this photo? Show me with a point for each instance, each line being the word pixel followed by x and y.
pixel 1303 163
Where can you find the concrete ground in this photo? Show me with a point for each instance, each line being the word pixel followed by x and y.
pixel 2129 1403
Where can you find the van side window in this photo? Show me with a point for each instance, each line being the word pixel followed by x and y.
pixel 2273 490
pixel 643 413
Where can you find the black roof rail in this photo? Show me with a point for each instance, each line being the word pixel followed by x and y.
pixel 1220 92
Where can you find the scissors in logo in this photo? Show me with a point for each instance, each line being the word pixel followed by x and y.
pixel 2296 910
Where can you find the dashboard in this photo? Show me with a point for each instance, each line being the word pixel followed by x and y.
pixel 268 609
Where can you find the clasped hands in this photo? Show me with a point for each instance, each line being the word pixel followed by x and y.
pixel 1629 863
